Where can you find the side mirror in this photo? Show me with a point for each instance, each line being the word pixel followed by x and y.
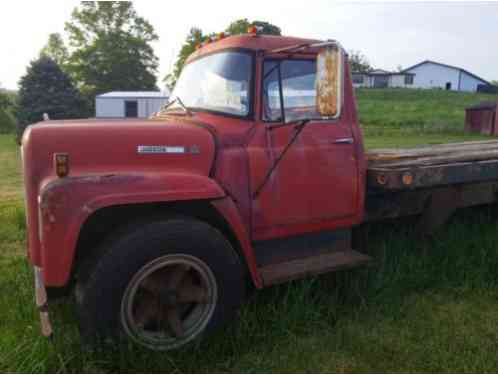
pixel 329 81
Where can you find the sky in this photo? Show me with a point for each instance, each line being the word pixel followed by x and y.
pixel 389 34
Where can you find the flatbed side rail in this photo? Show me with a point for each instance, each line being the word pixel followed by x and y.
pixel 425 176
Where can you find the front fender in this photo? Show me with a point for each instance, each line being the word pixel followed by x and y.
pixel 66 203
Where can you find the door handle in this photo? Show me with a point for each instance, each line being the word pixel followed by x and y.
pixel 343 141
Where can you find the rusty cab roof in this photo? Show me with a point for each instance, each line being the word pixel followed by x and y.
pixel 265 43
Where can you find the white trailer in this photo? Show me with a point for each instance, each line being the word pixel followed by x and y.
pixel 129 104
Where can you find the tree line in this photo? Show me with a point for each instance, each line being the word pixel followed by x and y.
pixel 107 47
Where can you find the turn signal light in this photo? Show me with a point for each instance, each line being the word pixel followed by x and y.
pixel 407 178
pixel 252 30
pixel 61 164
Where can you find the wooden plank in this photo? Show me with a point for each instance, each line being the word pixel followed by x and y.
pixel 386 155
pixel 437 147
pixel 457 157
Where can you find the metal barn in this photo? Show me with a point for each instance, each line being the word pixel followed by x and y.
pixel 129 104
pixel 430 74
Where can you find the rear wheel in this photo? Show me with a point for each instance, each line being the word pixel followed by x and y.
pixel 162 285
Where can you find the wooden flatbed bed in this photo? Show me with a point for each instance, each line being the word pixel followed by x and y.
pixel 432 166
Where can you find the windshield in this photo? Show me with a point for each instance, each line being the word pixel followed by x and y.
pixel 219 82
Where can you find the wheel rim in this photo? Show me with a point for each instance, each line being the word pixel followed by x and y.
pixel 169 301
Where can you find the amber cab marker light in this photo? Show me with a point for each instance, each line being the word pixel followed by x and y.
pixel 61 164
pixel 407 178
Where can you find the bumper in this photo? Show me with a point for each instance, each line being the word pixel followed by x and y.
pixel 41 303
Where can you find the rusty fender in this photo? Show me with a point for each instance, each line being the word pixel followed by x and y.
pixel 66 203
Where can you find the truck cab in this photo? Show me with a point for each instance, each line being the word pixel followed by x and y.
pixel 252 175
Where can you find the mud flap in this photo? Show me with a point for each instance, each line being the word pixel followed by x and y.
pixel 442 204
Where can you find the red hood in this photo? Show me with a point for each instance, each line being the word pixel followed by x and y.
pixel 110 148
pixel 116 146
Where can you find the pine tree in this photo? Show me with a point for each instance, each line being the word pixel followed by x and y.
pixel 47 89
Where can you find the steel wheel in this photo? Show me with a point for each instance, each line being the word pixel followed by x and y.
pixel 169 301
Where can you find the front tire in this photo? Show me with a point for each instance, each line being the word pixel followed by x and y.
pixel 162 285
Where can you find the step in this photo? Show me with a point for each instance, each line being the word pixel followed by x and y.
pixel 313 265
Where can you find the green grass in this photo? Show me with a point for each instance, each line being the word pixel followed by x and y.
pixel 427 111
pixel 407 117
pixel 423 306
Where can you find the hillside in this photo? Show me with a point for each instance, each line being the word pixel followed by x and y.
pixel 408 117
pixel 425 110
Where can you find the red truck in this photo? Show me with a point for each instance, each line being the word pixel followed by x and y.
pixel 254 174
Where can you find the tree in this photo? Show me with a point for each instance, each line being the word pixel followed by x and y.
pixel 7 122
pixel 7 110
pixel 5 101
pixel 112 49
pixel 359 62
pixel 47 89
pixel 196 36
pixel 240 27
pixel 56 50
pixel 495 82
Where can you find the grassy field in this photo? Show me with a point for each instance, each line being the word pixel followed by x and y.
pixel 423 306
pixel 426 111
pixel 406 118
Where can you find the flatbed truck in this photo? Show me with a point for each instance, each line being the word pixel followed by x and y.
pixel 253 174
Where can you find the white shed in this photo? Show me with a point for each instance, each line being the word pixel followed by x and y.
pixel 129 104
pixel 430 74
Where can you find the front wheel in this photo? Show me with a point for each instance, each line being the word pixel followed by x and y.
pixel 162 285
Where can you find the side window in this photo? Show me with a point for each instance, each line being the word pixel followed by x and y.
pixel 272 110
pixel 298 90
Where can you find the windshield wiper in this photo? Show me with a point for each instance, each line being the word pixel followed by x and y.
pixel 185 108
pixel 182 105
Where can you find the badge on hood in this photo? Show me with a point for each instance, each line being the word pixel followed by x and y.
pixel 162 149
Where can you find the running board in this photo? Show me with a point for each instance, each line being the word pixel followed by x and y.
pixel 314 265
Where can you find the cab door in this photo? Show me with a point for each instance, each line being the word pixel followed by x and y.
pixel 303 177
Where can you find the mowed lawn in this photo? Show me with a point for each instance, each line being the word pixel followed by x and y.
pixel 423 306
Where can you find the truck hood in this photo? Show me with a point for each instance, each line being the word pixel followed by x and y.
pixel 118 146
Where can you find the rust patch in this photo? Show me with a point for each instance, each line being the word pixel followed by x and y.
pixel 55 196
